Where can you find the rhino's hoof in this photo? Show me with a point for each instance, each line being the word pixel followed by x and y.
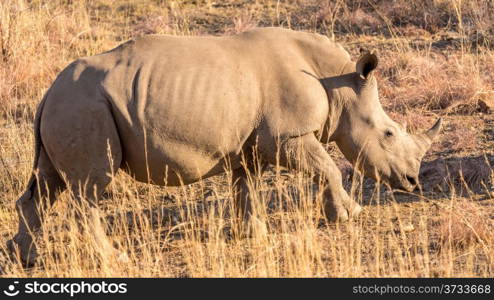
pixel 27 256
pixel 342 213
pixel 338 214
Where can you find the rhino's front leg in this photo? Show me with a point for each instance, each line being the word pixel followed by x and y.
pixel 307 154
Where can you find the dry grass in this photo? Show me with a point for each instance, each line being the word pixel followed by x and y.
pixel 436 59
pixel 435 81
pixel 463 223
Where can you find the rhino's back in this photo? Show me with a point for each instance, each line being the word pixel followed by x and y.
pixel 195 100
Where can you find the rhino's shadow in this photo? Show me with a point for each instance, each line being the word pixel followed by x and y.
pixel 464 176
pixel 467 176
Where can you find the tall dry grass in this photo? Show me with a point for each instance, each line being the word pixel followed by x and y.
pixel 189 231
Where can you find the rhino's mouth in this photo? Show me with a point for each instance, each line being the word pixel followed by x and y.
pixel 398 180
pixel 407 183
pixel 411 180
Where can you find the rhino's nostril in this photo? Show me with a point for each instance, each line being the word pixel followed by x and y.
pixel 412 180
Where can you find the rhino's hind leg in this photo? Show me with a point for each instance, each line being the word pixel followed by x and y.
pixel 240 187
pixel 42 191
pixel 87 153
pixel 307 153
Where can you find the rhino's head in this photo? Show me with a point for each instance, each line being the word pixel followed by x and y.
pixel 374 143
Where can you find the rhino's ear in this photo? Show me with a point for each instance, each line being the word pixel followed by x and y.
pixel 366 63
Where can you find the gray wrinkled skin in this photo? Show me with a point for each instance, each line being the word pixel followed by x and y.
pixel 174 110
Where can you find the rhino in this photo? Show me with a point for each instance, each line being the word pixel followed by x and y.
pixel 174 110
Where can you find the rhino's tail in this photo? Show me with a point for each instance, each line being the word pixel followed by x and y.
pixel 37 143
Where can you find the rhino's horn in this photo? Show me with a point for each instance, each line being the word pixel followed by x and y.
pixel 424 140
pixel 434 130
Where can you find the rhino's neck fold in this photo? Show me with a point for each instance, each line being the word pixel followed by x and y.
pixel 336 103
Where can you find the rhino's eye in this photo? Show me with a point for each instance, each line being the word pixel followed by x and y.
pixel 388 133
